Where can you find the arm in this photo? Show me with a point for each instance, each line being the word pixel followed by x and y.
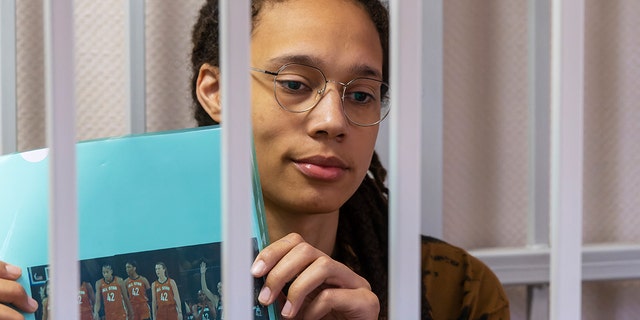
pixel 176 297
pixel 125 297
pixel 90 293
pixel 11 292
pixel 191 310
pixel 153 301
pixel 147 286
pixel 96 307
pixel 203 282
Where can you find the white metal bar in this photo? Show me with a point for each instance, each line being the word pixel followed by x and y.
pixel 432 118
pixel 405 172
pixel 539 68
pixel 60 106
pixel 136 65
pixel 567 79
pixel 236 177
pixel 530 265
pixel 538 304
pixel 539 14
pixel 8 99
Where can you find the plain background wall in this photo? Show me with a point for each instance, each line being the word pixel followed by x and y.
pixel 485 114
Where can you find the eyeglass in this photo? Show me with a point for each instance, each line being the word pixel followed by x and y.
pixel 298 88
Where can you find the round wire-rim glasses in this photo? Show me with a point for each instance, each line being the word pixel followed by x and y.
pixel 299 87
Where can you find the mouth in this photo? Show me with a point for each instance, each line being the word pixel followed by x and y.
pixel 321 168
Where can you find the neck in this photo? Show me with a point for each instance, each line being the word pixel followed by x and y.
pixel 319 230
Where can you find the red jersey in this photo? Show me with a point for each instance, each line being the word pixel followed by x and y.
pixel 138 298
pixel 86 307
pixel 165 300
pixel 114 307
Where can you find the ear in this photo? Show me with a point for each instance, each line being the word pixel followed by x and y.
pixel 208 91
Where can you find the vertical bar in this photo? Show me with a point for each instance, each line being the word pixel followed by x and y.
pixel 539 66
pixel 432 118
pixel 8 100
pixel 136 66
pixel 63 224
pixel 236 166
pixel 405 184
pixel 567 79
pixel 539 120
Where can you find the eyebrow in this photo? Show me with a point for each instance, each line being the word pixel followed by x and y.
pixel 361 70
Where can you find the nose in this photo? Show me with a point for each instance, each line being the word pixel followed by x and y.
pixel 327 118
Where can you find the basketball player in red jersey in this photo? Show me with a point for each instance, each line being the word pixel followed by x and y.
pixel 86 298
pixel 111 289
pixel 165 298
pixel 137 287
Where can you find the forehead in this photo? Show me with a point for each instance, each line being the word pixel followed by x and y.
pixel 333 34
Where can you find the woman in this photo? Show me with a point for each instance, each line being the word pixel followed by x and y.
pixel 86 300
pixel 318 72
pixel 111 296
pixel 137 287
pixel 165 298
pixel 314 143
pixel 209 302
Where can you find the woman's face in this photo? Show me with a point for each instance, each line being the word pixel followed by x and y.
pixel 312 162
pixel 107 273
pixel 160 272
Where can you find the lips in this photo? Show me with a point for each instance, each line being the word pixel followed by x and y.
pixel 321 168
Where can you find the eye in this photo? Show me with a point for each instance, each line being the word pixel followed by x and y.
pixel 293 84
pixel 361 97
pixel 361 93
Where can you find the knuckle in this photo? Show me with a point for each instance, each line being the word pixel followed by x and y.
pixel 325 262
pixel 306 249
pixel 294 238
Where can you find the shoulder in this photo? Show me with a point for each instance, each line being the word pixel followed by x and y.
pixel 457 284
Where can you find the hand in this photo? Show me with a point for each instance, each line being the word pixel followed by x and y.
pixel 321 288
pixel 203 267
pixel 12 293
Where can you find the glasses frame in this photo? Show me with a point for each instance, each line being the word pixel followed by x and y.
pixel 323 90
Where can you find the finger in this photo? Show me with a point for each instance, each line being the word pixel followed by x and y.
pixel 287 269
pixel 7 313
pixel 272 254
pixel 324 272
pixel 9 271
pixel 13 293
pixel 355 304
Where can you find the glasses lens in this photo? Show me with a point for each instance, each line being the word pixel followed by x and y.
pixel 298 87
pixel 366 101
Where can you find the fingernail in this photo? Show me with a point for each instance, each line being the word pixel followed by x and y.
pixel 286 310
pixel 13 270
pixel 33 303
pixel 264 295
pixel 258 268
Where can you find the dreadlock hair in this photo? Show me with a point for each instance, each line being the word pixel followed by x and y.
pixel 362 237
